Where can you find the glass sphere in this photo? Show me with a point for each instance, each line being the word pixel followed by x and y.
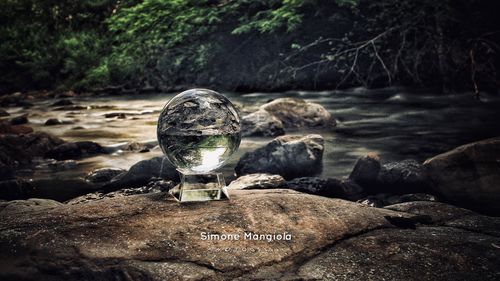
pixel 198 130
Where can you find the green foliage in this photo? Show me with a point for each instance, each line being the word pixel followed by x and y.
pixel 241 44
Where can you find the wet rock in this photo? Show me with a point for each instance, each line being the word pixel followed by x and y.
pixel 62 102
pixel 329 187
pixel 119 115
pixel 19 120
pixel 78 128
pixel 407 176
pixel 112 236
pixel 14 207
pixel 366 170
pixel 15 189
pixel 469 176
pixel 75 150
pixel 425 253
pixel 288 156
pixel 52 122
pixel 21 149
pixel 385 199
pixel 154 186
pixel 15 99
pixel 7 128
pixel 261 124
pixel 103 175
pixel 3 112
pixel 142 172
pixel 257 181
pixel 293 113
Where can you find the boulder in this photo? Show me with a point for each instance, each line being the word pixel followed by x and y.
pixel 261 124
pixel 141 236
pixel 257 181
pixel 294 113
pixel 6 128
pixel 469 176
pixel 403 177
pixel 15 99
pixel 103 175
pixel 52 122
pixel 329 187
pixel 75 150
pixel 141 173
pixel 299 237
pixel 288 156
pixel 19 120
pixel 366 170
pixel 21 149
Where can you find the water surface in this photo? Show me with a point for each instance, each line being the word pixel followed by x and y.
pixel 395 123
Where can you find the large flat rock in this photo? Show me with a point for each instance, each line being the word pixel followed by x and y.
pixel 147 235
pixel 152 237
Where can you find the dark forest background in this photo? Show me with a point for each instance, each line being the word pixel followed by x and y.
pixel 130 46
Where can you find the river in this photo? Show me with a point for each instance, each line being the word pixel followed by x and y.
pixel 395 123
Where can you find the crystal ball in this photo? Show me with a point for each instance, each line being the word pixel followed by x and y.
pixel 198 130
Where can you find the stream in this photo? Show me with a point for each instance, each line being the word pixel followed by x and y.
pixel 395 123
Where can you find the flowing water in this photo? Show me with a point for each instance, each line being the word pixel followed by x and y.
pixel 395 123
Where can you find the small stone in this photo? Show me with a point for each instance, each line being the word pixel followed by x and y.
pixel 103 175
pixel 62 102
pixel 23 119
pixel 52 122
pixel 257 181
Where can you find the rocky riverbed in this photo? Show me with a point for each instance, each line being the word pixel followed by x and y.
pixel 83 191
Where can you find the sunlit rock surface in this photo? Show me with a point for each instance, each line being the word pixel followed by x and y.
pixel 152 237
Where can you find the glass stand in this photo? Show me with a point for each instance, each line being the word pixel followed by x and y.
pixel 200 187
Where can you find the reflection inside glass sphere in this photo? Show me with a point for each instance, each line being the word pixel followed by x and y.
pixel 198 130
